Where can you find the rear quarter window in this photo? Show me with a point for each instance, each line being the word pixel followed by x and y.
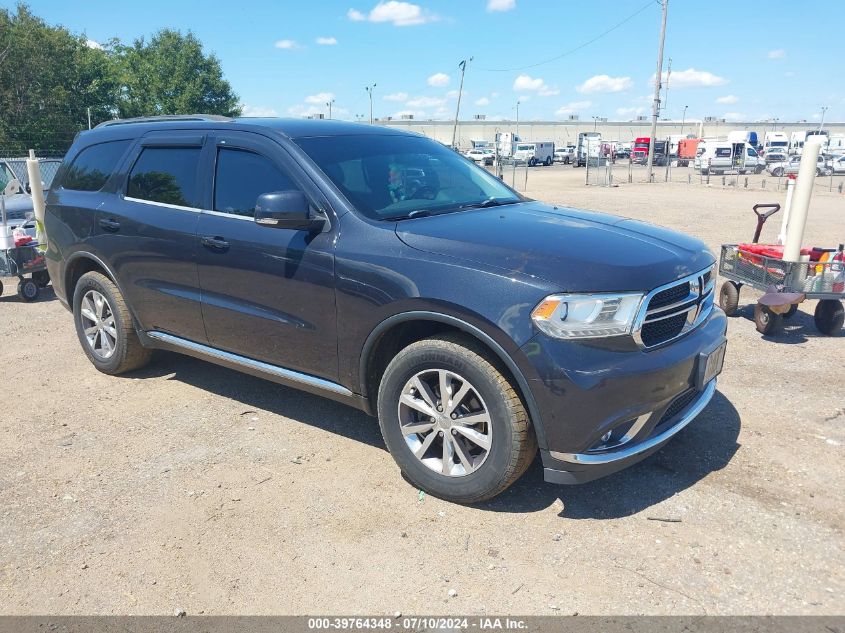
pixel 92 167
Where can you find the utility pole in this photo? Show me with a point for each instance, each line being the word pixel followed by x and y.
pixel 463 67
pixel 329 104
pixel 89 118
pixel 666 97
pixel 655 111
pixel 824 111
pixel 684 119
pixel 517 119
pixel 369 90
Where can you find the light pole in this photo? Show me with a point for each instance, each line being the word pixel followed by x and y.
pixel 824 111
pixel 329 106
pixel 595 122
pixel 463 67
pixel 684 119
pixel 658 77
pixel 369 90
pixel 517 120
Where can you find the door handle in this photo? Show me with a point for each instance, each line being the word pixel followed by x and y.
pixel 214 243
pixel 109 224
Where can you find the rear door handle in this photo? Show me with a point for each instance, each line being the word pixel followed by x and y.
pixel 110 224
pixel 214 242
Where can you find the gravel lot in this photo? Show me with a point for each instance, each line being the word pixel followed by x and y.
pixel 192 487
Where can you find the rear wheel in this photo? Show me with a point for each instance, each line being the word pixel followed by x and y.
pixel 829 316
pixel 777 172
pixel 104 326
pixel 453 422
pixel 765 320
pixel 729 297
pixel 548 161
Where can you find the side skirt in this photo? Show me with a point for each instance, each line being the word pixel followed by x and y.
pixel 274 373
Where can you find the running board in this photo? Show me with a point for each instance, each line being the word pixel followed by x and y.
pixel 258 368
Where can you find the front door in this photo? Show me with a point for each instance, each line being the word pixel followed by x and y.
pixel 267 293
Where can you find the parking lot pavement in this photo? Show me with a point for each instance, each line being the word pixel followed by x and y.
pixel 189 486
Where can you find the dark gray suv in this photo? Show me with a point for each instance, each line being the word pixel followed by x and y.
pixel 385 271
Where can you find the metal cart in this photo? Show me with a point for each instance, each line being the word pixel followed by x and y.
pixel 28 265
pixel 824 281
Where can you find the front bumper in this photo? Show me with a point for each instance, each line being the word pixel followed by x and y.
pixel 607 405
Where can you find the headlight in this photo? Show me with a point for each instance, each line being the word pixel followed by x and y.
pixel 587 316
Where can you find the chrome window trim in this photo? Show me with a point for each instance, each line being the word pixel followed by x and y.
pixel 697 313
pixel 687 416
pixel 166 205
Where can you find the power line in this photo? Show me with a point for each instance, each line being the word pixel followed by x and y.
pixel 648 4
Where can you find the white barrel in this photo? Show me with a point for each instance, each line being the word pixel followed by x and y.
pixel 33 170
pixel 801 199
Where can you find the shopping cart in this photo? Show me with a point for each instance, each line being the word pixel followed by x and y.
pixel 27 263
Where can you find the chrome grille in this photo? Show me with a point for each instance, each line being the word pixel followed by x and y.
pixel 673 310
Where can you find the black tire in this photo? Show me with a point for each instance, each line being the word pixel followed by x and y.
pixel 791 312
pixel 777 172
pixel 28 290
pixel 766 321
pixel 758 169
pixel 829 316
pixel 729 297
pixel 128 353
pixel 41 278
pixel 548 161
pixel 513 444
pixel 1 288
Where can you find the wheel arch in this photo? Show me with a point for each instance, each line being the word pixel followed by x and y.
pixel 82 262
pixel 402 329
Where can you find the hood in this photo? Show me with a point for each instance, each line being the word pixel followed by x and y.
pixel 575 250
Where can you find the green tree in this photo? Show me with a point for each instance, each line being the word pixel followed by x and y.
pixel 48 80
pixel 171 74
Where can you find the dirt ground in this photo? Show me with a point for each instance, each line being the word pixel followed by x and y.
pixel 191 487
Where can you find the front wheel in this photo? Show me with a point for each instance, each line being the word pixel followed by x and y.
pixel 453 422
pixel 765 320
pixel 729 297
pixel 777 172
pixel 104 326
pixel 28 290
pixel 758 170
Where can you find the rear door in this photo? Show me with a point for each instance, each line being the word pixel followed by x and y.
pixel 268 293
pixel 148 233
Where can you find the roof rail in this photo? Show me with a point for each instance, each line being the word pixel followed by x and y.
pixel 166 117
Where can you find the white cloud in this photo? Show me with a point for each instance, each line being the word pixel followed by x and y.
pixel 425 102
pixel 438 80
pixel 484 101
pixel 93 44
pixel 572 107
pixel 693 78
pixel 326 41
pixel 727 100
pixel 320 98
pixel 286 44
pixel 396 12
pixel 605 83
pixel 248 110
pixel 778 53
pixel 396 96
pixel 501 5
pixel 303 111
pixel 534 84
pixel 453 94
pixel 629 111
pixel 734 116
pixel 524 98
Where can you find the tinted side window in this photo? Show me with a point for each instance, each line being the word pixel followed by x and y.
pixel 93 166
pixel 241 177
pixel 166 174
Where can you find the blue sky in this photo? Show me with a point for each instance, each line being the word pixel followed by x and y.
pixel 741 60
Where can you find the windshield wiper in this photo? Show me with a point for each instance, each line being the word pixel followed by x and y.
pixel 490 202
pixel 416 213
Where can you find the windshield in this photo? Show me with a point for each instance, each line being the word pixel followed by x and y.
pixel 394 177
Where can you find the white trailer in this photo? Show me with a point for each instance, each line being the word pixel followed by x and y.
pixel 775 141
pixel 588 148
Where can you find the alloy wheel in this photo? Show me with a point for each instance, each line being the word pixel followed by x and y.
pixel 98 324
pixel 445 422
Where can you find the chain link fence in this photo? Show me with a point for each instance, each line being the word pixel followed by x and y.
pixel 14 167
